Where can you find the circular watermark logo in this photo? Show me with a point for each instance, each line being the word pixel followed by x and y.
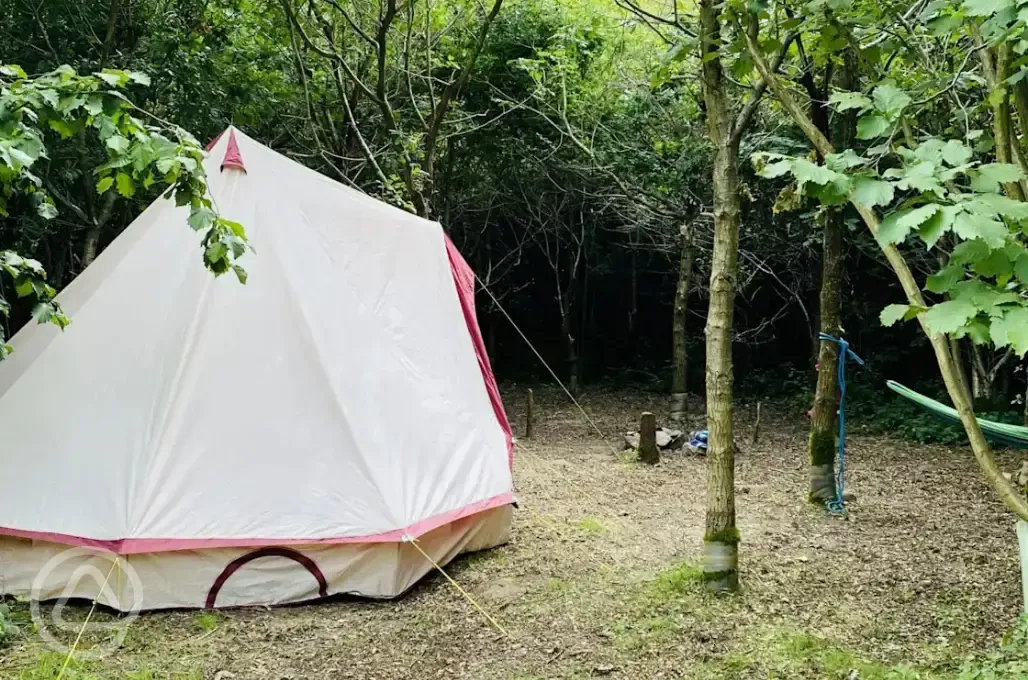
pixel 85 574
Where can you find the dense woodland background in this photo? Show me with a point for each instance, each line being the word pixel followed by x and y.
pixel 566 167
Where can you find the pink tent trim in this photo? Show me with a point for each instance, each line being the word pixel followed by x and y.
pixel 464 278
pixel 132 546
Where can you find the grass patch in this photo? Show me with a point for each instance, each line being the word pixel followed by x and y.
pixel 591 525
pixel 677 580
pixel 556 585
pixel 637 634
pixel 206 621
pixel 48 666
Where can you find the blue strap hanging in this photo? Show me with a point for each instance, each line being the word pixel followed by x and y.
pixel 837 505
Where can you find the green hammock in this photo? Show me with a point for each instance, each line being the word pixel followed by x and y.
pixel 1014 436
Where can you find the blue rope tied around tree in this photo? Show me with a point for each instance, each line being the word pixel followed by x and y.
pixel 837 506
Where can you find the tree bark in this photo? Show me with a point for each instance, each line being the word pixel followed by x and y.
pixel 648 451
pixel 1006 491
pixel 679 357
pixel 958 365
pixel 569 339
pixel 90 245
pixel 721 538
pixel 822 443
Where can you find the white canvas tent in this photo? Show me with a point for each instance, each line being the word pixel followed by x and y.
pixel 262 443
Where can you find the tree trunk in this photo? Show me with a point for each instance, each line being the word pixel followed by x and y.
pixel 721 538
pixel 1026 395
pixel 90 246
pixel 981 384
pixel 958 365
pixel 633 303
pixel 679 395
pixel 569 339
pixel 822 442
pixel 648 451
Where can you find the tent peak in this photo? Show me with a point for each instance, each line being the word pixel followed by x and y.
pixel 233 159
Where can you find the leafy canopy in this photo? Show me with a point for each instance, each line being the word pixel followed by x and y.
pixel 64 107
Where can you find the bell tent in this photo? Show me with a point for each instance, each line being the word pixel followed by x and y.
pixel 265 443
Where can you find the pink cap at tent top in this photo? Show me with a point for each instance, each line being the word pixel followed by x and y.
pixel 233 159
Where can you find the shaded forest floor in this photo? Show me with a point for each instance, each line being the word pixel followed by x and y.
pixel 599 579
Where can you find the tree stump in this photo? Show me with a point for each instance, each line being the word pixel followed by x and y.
pixel 648 451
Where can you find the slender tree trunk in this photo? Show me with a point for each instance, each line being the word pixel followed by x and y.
pixel 958 365
pixel 721 538
pixel 981 384
pixel 90 245
pixel 569 340
pixel 1026 394
pixel 633 309
pixel 583 321
pixel 822 442
pixel 679 395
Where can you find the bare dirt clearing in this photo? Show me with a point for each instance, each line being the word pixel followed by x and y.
pixel 598 579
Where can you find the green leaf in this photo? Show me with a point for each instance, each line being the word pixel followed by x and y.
pixel 140 78
pixel 50 97
pixel 997 204
pixel 844 101
pixel 989 176
pixel 948 316
pixel 201 219
pixel 895 227
pixel 996 265
pixel 872 126
pixel 42 312
pixel 113 77
pixel 215 251
pixel 893 313
pixel 1021 268
pixel 920 176
pixel 984 8
pixel 844 161
pixel 1012 330
pixel 777 169
pixel 117 144
pixel 104 184
pixel 871 192
pixel 956 153
pixel 240 274
pixel 969 252
pixel 94 105
pixel 61 127
pixel 126 187
pixel 236 228
pixel 46 210
pixel 944 279
pixel 804 171
pixel 23 287
pixel 13 71
pixel 890 100
pixel 932 229
pixel 890 230
pixel 970 226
